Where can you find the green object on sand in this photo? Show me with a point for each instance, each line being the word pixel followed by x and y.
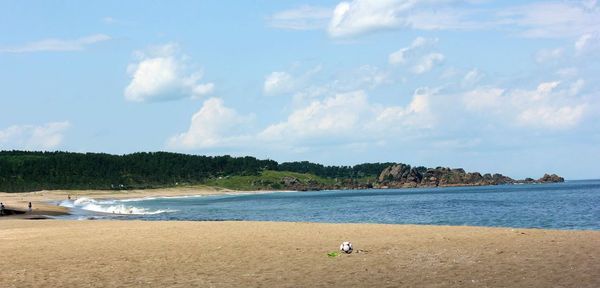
pixel 333 254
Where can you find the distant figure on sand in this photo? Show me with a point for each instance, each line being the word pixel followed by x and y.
pixel 29 206
pixel 1 209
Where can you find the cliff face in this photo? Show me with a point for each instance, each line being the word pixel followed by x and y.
pixel 402 175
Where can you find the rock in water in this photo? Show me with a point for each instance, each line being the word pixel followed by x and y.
pixel 551 179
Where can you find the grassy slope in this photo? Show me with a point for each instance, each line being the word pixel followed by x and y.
pixel 267 180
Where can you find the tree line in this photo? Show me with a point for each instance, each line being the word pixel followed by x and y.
pixel 31 171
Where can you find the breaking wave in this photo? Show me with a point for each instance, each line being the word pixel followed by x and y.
pixel 109 207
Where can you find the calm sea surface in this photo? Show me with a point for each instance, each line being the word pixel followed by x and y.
pixel 570 205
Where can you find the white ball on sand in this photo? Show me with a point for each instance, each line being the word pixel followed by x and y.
pixel 346 247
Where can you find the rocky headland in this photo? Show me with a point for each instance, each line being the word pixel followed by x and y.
pixel 405 176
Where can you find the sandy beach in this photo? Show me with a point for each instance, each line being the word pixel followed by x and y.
pixel 55 253
pixel 42 200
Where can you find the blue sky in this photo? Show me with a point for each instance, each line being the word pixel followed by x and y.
pixel 490 86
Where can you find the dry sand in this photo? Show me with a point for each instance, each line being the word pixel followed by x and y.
pixel 54 253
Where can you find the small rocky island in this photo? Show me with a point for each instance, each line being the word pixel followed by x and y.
pixel 405 176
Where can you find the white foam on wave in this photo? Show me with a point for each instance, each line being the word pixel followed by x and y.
pixel 109 207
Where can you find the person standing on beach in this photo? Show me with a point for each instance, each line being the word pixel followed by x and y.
pixel 29 206
pixel 1 209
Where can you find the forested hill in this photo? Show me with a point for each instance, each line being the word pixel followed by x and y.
pixel 30 171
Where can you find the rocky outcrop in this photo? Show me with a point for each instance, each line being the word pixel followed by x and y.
pixel 402 175
pixel 551 179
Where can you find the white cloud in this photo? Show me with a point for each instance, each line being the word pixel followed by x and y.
pixel 333 116
pixel 360 16
pixel 582 41
pixel 586 43
pixel 278 82
pixel 369 76
pixel 552 19
pixel 348 117
pixel 416 55
pixel 400 56
pixel 416 114
pixel 160 74
pixel 547 55
pixel 547 106
pixel 363 16
pixel 301 18
pixel 552 117
pixel 428 62
pixel 483 98
pixel 295 80
pixel 214 125
pixel 56 45
pixel 32 137
pixel 472 77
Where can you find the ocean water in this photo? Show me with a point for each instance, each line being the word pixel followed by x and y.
pixel 569 205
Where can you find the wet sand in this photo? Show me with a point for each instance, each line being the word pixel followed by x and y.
pixel 55 253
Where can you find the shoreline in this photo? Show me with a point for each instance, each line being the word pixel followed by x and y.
pixel 43 201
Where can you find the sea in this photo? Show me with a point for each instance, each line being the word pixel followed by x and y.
pixel 568 205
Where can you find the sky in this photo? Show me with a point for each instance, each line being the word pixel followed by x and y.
pixel 511 87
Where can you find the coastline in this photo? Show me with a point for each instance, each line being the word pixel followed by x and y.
pixel 100 253
pixel 42 201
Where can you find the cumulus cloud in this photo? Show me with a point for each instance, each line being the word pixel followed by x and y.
pixel 333 116
pixel 416 114
pixel 295 80
pixel 547 106
pixel 278 82
pixel 417 56
pixel 427 62
pixel 400 56
pixel 56 45
pixel 33 137
pixel 301 18
pixel 348 116
pixel 483 98
pixel 214 125
pixel 363 16
pixel 360 16
pixel 162 74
